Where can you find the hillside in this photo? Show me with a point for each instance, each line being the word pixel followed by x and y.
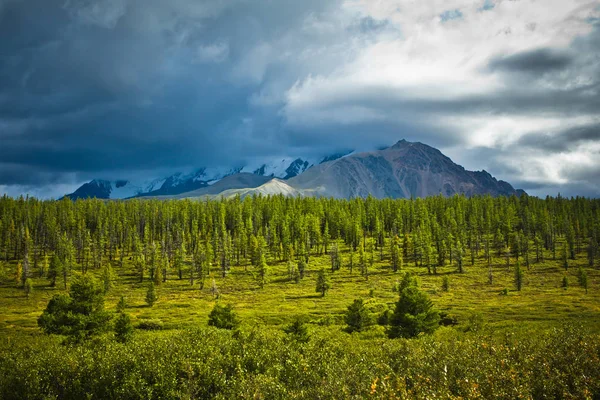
pixel 403 170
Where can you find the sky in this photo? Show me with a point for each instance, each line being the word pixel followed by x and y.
pixel 129 89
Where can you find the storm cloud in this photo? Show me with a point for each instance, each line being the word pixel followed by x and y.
pixel 127 88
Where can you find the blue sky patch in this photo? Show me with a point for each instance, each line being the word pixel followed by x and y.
pixel 450 15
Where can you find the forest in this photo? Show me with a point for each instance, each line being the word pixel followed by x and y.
pixel 282 297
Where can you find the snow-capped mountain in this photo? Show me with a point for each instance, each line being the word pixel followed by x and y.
pixel 119 189
pixel 284 167
pixel 404 170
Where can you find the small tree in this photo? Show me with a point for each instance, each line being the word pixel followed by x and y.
pixel 80 314
pixel 518 277
pixel 121 305
pixel 262 271
pixel 357 317
pixel 414 314
pixel 565 260
pixel 28 287
pixel 323 284
pixel 223 317
pixel 565 282
pixel 407 281
pixel 151 296
pixel 108 277
pixel 214 289
pixel 19 274
pixel 123 328
pixel 445 284
pixel 583 278
pixel 297 330
pixel 54 269
pixel 301 267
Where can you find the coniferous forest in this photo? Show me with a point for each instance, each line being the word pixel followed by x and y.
pixel 279 297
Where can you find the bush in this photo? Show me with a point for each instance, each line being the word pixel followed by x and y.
pixel 297 330
pixel 210 363
pixel 150 325
pixel 447 319
pixel 223 317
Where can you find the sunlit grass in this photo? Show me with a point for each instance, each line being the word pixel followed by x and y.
pixel 541 304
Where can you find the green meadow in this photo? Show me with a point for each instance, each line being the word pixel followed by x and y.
pixel 501 334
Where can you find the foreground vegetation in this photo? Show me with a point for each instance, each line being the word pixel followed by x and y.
pixel 308 290
pixel 212 363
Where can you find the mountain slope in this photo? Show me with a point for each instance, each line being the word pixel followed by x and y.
pixel 403 170
pixel 242 180
pixel 271 188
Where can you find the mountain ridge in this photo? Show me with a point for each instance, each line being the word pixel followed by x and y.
pixel 403 170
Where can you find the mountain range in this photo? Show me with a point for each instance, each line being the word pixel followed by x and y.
pixel 404 170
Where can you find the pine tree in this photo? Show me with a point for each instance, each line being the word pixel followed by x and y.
pixel 301 267
pixel 122 304
pixel 414 314
pixel 108 277
pixel 19 274
pixel 445 284
pixel 151 296
pixel 263 269
pixel 583 278
pixel 518 277
pixel 28 286
pixel 358 317
pixel 323 284
pixel 123 328
pixel 396 254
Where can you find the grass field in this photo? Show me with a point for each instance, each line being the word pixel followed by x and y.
pixel 542 303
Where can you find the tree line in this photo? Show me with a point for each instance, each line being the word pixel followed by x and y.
pixel 186 239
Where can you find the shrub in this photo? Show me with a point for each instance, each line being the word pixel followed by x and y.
pixel 150 325
pixel 297 330
pixel 223 317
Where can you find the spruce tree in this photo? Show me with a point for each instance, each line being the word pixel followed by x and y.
pixel 357 317
pixel 151 296
pixel 518 277
pixel 323 284
pixel 123 328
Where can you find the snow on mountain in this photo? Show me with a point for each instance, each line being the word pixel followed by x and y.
pixel 283 167
pixel 120 189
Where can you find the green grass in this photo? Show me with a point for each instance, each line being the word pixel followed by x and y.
pixel 541 304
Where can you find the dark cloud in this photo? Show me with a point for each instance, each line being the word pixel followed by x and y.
pixel 533 62
pixel 561 141
pixel 116 88
pixel 123 85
